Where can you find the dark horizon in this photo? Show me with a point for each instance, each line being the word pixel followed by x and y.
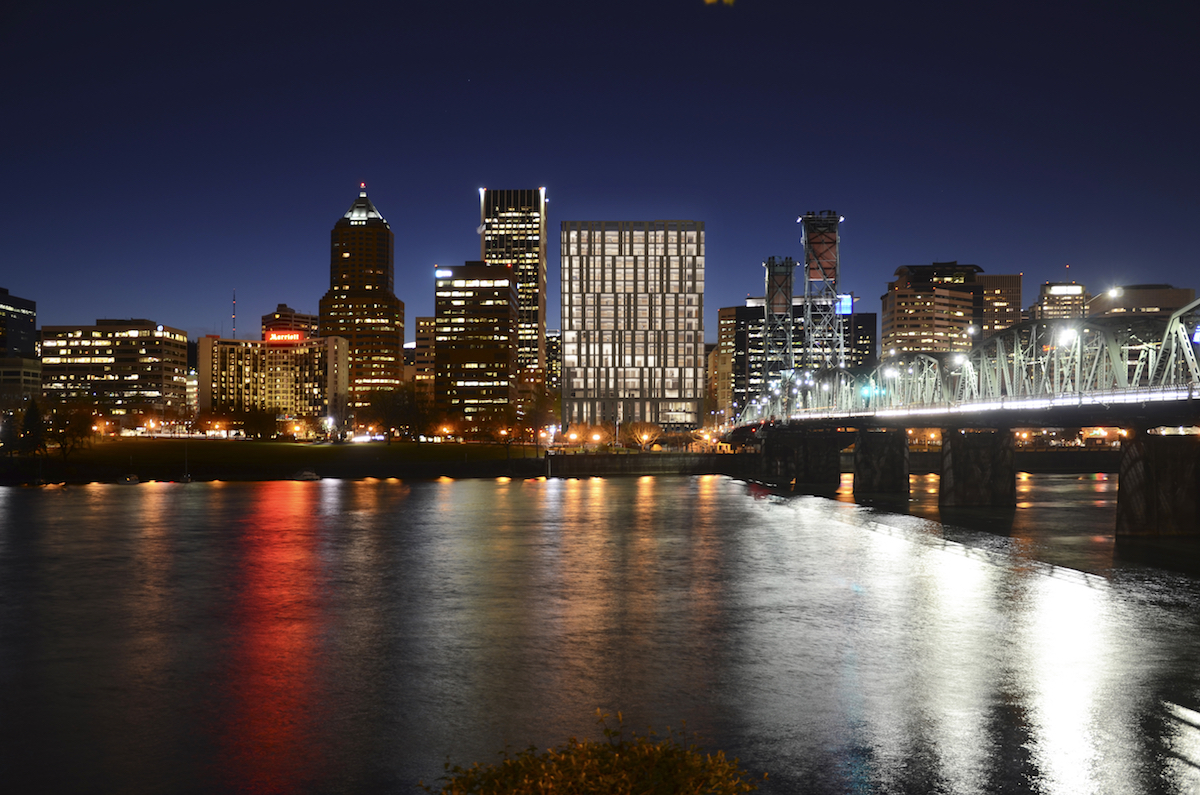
pixel 163 160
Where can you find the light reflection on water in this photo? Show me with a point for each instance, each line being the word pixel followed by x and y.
pixel 350 636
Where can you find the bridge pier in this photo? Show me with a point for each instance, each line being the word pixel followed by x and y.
pixel 881 461
pixel 978 468
pixel 1158 493
pixel 803 460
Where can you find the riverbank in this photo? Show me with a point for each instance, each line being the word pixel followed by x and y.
pixel 169 459
pixel 163 459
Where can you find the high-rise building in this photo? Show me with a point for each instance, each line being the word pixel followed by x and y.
pixel 475 311
pixel 284 318
pixel 425 355
pixel 512 231
pixel 305 378
pixel 1001 302
pixel 18 326
pixel 633 322
pixel 554 361
pixel 361 305
pixel 1060 301
pixel 121 366
pixel 932 308
pixel 20 370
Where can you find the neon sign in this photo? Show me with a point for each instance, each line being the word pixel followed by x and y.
pixel 285 336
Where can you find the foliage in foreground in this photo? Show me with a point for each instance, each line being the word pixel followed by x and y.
pixel 643 764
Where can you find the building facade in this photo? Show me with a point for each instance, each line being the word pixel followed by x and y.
pixel 297 379
pixel 119 366
pixel 1001 302
pixel 1142 300
pixel 633 322
pixel 361 306
pixel 475 313
pixel 932 308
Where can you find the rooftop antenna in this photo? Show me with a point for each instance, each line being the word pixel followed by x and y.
pixel 235 314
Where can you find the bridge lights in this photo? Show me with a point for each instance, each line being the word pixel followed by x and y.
pixel 1067 336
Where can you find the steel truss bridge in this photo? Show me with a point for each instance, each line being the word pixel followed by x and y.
pixel 1065 372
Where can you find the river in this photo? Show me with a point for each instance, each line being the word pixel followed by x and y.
pixel 352 636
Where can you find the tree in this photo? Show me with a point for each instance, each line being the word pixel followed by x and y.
pixel 642 434
pixel 33 430
pixel 259 423
pixel 650 764
pixel 70 429
pixel 406 410
pixel 8 433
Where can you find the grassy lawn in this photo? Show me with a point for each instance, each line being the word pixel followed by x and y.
pixel 218 459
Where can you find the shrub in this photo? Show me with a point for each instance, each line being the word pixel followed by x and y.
pixel 643 764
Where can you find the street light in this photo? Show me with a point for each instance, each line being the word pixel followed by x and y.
pixel 1110 293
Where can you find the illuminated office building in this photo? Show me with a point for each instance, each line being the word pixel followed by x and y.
pixel 120 366
pixel 1060 301
pixel 285 374
pixel 932 308
pixel 475 311
pixel 633 322
pixel 361 306
pixel 512 226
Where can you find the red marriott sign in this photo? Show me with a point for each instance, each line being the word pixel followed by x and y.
pixel 285 336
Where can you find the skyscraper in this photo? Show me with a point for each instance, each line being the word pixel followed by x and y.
pixel 633 322
pixel 512 231
pixel 476 316
pixel 361 304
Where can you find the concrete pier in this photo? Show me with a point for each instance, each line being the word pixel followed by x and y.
pixel 881 461
pixel 978 468
pixel 1159 489
pixel 804 460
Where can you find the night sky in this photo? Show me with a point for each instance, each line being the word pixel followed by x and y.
pixel 157 157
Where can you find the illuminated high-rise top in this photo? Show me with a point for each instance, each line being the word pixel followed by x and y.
pixel 362 212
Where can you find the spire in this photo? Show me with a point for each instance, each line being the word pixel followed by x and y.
pixel 363 211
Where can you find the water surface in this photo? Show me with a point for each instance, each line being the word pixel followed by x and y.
pixel 350 636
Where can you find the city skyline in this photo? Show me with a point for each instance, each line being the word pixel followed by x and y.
pixel 940 134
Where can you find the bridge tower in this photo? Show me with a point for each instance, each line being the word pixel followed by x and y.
pixel 777 333
pixel 824 345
